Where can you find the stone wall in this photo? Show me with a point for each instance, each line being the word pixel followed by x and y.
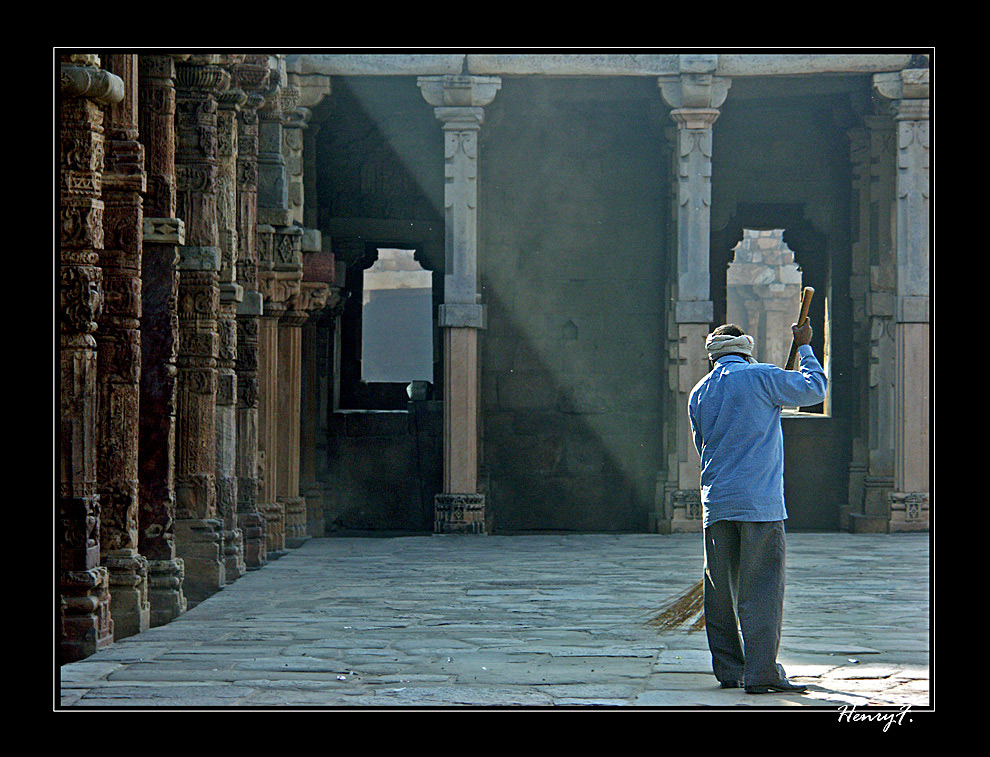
pixel 571 206
pixel 385 469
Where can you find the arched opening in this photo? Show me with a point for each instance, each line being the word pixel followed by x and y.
pixel 763 297
pixel 760 261
pixel 815 439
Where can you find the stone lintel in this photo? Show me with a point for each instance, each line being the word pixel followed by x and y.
pixel 636 63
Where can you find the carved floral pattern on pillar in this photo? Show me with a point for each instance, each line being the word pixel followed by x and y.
pixel 119 362
pixel 199 82
pixel 86 623
pixel 252 76
pixel 163 233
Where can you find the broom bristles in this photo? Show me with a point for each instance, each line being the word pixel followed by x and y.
pixel 689 605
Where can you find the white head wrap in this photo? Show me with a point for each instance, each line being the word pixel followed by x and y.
pixel 723 344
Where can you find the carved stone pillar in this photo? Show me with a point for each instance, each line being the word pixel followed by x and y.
pixel 86 624
pixel 459 104
pixel 694 96
pixel 872 286
pixel 252 76
pixel 231 294
pixel 287 424
pixel 910 501
pixel 277 285
pixel 162 234
pixel 279 279
pixel 199 533
pixel 293 127
pixel 119 362
pixel 311 299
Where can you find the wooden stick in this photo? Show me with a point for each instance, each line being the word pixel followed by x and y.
pixel 806 296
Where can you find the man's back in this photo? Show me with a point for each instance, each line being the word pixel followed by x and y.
pixel 735 418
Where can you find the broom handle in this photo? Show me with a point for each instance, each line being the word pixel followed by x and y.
pixel 806 296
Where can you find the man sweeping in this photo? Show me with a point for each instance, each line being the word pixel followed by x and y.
pixel 735 419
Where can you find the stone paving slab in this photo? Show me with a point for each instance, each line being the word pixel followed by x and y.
pixel 518 622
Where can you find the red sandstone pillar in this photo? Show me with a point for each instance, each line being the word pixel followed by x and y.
pixel 85 620
pixel 119 362
pixel 199 534
pixel 162 234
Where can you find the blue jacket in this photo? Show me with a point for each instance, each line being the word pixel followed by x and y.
pixel 735 419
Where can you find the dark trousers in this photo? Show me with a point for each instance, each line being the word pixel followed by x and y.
pixel 744 592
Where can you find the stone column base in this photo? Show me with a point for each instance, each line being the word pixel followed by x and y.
pixel 685 509
pixel 909 511
pixel 198 542
pixel 129 607
pixel 295 521
pixel 254 530
pixel 165 595
pixel 274 514
pixel 233 549
pixel 459 514
pixel 86 622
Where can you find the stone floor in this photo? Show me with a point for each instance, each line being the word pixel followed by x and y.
pixel 520 621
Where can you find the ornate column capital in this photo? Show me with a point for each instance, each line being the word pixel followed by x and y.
pixel 81 76
pixel 696 87
pixel 251 73
pixel 311 297
pixel 458 91
pixel 312 89
pixel 459 101
pixel 202 72
pixel 908 91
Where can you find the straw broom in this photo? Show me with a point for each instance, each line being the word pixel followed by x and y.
pixel 678 611
pixel 689 606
